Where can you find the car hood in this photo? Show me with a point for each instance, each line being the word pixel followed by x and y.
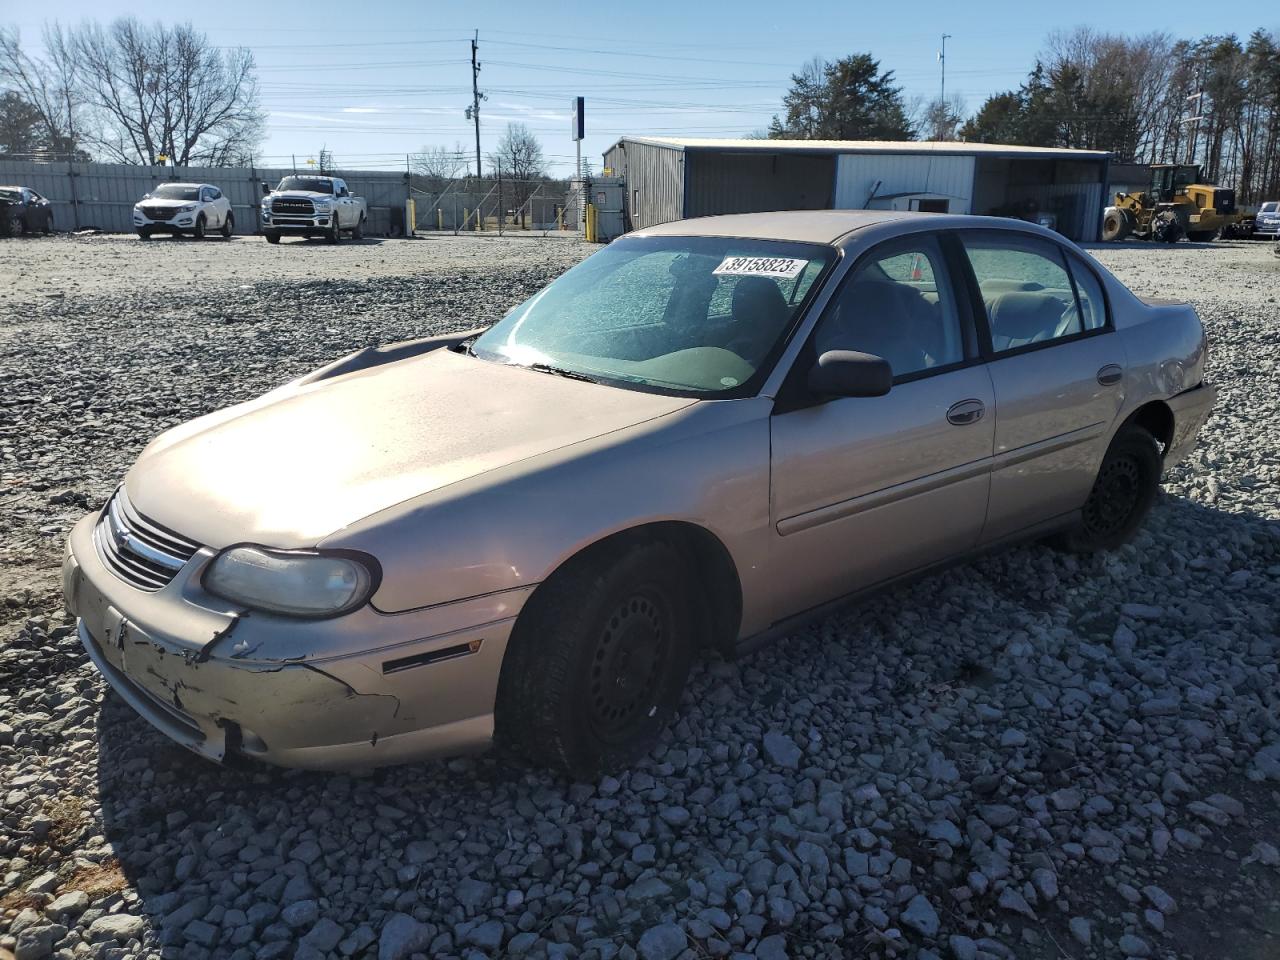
pixel 303 462
pixel 300 195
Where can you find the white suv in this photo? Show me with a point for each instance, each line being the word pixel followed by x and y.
pixel 194 208
pixel 1267 222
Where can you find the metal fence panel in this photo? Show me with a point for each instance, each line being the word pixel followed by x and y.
pixel 102 195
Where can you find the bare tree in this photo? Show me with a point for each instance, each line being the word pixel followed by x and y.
pixel 438 165
pixel 160 90
pixel 519 158
pixel 48 84
pixel 938 119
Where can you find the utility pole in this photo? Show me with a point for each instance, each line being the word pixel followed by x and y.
pixel 475 96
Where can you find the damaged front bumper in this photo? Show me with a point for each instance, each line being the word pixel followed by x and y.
pixel 361 690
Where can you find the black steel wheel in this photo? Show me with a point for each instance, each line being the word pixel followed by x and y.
pixel 626 667
pixel 1122 495
pixel 598 659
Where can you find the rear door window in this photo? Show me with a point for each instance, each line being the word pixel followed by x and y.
pixel 1026 290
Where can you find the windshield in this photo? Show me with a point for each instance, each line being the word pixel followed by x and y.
pixel 691 315
pixel 310 184
pixel 9 193
pixel 1271 207
pixel 173 191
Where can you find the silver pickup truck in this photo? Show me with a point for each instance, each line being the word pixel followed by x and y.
pixel 312 206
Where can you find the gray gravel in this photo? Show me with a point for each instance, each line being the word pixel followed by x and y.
pixel 1035 755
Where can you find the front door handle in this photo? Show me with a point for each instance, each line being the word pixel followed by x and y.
pixel 966 412
pixel 1110 374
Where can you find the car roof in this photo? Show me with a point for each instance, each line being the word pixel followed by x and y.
pixel 820 226
pixel 175 183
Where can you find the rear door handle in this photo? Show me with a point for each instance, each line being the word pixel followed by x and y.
pixel 965 412
pixel 1110 374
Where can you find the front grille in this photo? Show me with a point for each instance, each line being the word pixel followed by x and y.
pixel 302 208
pixel 291 222
pixel 161 212
pixel 137 550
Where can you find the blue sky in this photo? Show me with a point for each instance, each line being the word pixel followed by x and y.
pixel 372 81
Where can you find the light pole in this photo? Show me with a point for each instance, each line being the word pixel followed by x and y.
pixel 942 59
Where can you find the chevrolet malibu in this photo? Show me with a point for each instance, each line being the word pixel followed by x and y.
pixel 699 437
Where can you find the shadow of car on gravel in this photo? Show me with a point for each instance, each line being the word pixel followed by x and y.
pixel 462 840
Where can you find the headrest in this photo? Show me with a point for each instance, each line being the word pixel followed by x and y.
pixel 1020 316
pixel 758 299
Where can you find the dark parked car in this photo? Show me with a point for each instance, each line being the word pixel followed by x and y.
pixel 25 211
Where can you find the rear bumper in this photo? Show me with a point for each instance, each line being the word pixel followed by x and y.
pixel 220 681
pixel 1190 411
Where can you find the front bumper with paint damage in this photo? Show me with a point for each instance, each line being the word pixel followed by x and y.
pixel 361 690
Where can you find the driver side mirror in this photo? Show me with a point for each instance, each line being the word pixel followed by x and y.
pixel 266 188
pixel 848 373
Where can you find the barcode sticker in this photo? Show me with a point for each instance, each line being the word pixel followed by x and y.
pixel 784 268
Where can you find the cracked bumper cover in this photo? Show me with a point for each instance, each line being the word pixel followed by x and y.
pixel 312 694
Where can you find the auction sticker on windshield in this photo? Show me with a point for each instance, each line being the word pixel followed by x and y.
pixel 784 268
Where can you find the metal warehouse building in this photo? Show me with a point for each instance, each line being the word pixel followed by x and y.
pixel 670 179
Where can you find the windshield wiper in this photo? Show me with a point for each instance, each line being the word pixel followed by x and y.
pixel 560 372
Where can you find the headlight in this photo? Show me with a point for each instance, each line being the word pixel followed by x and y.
pixel 322 204
pixel 188 208
pixel 293 583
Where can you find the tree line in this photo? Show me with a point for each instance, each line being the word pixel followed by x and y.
pixel 1148 99
pixel 129 92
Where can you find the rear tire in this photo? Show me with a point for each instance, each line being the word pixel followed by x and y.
pixel 1125 489
pixel 228 227
pixel 272 237
pixel 144 234
pixel 357 232
pixel 598 659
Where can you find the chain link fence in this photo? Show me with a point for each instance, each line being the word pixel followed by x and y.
pixel 495 205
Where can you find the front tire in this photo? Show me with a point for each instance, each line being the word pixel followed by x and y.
pixel 335 231
pixel 144 234
pixel 272 237
pixel 1123 492
pixel 598 659
pixel 198 231
pixel 228 227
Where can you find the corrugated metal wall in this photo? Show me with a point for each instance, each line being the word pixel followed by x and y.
pixel 1072 190
pixel 102 195
pixel 756 182
pixel 857 174
pixel 655 181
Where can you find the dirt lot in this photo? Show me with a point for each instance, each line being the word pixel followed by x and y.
pixel 1035 756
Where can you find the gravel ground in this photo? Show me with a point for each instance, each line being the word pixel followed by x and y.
pixel 1036 755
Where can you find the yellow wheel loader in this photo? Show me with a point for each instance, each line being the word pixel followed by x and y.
pixel 1177 205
